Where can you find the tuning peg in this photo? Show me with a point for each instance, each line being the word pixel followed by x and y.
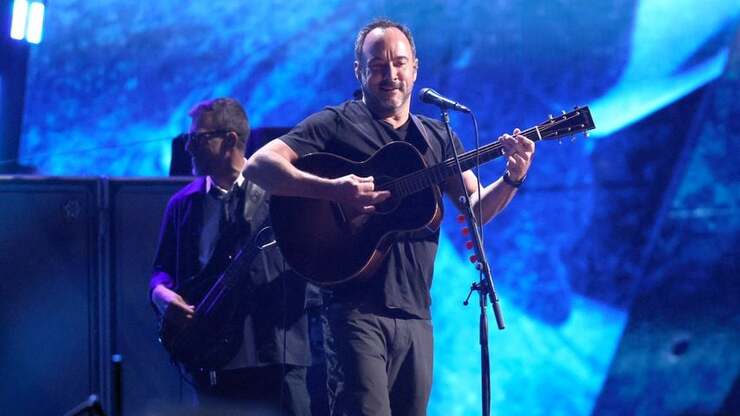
pixel 465 231
pixel 461 218
pixel 586 134
pixel 550 117
pixel 473 258
pixel 563 111
pixel 469 245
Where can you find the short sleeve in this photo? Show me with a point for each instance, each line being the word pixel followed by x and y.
pixel 313 133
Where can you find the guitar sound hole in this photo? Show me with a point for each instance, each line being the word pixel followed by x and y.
pixel 390 204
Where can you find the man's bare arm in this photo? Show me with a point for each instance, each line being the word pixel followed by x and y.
pixel 494 197
pixel 271 167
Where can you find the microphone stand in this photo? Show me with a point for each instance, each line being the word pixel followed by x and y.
pixel 484 286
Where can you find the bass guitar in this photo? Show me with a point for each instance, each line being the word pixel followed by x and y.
pixel 221 292
pixel 327 243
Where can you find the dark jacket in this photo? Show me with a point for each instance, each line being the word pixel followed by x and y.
pixel 280 297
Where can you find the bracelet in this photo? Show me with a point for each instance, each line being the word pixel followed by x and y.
pixel 514 184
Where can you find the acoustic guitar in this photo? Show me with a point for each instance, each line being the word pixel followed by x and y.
pixel 328 243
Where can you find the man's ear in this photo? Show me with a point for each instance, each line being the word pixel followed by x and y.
pixel 358 70
pixel 231 139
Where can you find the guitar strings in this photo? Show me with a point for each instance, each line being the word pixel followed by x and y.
pixel 421 177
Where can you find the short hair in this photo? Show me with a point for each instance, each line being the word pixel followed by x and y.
pixel 227 114
pixel 382 23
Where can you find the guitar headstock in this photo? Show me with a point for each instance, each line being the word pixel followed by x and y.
pixel 567 124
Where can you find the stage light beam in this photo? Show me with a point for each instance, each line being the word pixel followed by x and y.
pixel 20 14
pixel 35 28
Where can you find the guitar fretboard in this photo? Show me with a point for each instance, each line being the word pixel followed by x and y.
pixel 233 275
pixel 424 178
pixel 567 124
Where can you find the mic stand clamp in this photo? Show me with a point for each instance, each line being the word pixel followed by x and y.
pixel 484 286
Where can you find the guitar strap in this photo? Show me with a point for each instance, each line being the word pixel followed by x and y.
pixel 254 195
pixel 427 138
pixel 423 131
pixel 428 155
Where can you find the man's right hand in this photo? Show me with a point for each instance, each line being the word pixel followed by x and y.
pixel 165 299
pixel 271 167
pixel 358 192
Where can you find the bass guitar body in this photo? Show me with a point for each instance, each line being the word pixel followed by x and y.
pixel 213 336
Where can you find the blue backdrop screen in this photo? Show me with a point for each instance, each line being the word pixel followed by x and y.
pixel 595 226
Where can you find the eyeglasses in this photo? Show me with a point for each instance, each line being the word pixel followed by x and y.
pixel 194 139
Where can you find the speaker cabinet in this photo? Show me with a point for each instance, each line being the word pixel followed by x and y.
pixel 149 381
pixel 49 353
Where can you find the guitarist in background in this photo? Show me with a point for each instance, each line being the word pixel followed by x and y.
pixel 382 325
pixel 269 371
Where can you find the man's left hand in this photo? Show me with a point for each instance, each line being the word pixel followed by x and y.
pixel 519 151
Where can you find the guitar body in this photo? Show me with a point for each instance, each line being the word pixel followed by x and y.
pixel 213 336
pixel 326 243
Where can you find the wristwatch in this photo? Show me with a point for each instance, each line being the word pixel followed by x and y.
pixel 512 182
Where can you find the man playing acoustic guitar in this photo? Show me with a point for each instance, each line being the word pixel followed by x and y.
pixel 381 324
pixel 260 310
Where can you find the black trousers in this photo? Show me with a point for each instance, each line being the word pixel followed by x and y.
pixel 384 363
pixel 254 391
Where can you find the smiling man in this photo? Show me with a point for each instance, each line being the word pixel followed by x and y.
pixel 382 324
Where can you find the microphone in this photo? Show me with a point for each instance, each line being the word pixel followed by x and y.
pixel 430 96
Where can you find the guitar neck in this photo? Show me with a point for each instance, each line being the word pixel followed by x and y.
pixel 567 124
pixel 434 175
pixel 230 278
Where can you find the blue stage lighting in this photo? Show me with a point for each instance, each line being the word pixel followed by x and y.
pixel 28 20
pixel 20 13
pixel 35 27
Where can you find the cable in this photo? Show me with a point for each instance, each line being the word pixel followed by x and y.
pixel 477 173
pixel 283 365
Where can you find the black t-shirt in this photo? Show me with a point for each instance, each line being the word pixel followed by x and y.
pixel 402 283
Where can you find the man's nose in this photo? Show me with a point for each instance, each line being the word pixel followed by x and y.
pixel 390 71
